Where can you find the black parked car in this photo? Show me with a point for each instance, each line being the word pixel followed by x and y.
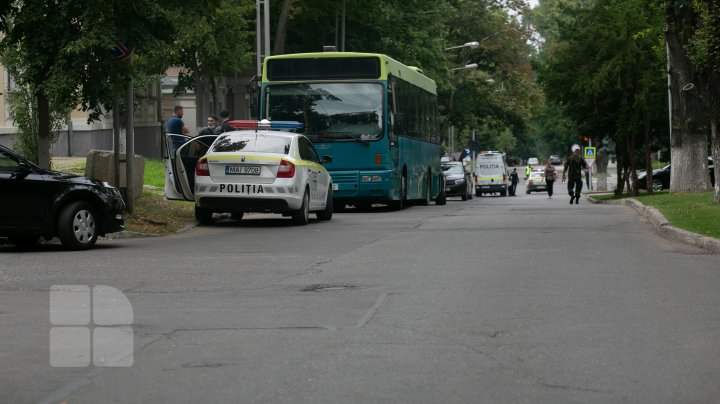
pixel 661 178
pixel 38 203
pixel 458 182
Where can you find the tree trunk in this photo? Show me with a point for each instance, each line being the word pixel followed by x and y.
pixel 601 164
pixel 716 156
pixel 688 133
pixel 630 142
pixel 213 93
pixel 281 30
pixel 620 161
pixel 43 152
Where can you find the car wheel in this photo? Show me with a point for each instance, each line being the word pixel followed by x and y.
pixel 503 193
pixel 237 215
pixel 203 216
pixel 326 214
pixel 301 216
pixel 77 228
pixel 527 191
pixel 657 185
pixel 24 242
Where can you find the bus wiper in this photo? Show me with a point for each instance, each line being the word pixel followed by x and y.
pixel 350 135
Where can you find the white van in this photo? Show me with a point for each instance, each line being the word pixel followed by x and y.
pixel 490 174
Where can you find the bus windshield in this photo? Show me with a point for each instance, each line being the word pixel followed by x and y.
pixel 330 111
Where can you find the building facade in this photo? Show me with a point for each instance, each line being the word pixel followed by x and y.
pixel 154 105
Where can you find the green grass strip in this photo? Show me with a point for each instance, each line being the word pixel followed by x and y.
pixel 693 212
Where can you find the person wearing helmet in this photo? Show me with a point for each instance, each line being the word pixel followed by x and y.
pixel 573 171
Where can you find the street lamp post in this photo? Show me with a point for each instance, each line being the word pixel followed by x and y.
pixel 467 66
pixel 471 66
pixel 471 45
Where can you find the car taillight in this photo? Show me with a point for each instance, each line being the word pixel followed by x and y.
pixel 202 169
pixel 530 182
pixel 504 178
pixel 286 169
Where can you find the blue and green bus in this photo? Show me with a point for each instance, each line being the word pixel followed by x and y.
pixel 376 117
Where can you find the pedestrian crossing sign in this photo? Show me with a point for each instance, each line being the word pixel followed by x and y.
pixel 589 153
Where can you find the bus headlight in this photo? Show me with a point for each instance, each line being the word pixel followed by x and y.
pixel 371 178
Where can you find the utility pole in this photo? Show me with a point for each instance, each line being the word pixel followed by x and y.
pixel 129 142
pixel 116 135
pixel 342 38
pixel 262 33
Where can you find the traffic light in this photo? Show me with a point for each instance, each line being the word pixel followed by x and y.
pixel 586 138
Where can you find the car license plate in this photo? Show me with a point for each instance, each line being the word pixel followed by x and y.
pixel 448 189
pixel 242 170
pixel 485 186
pixel 335 187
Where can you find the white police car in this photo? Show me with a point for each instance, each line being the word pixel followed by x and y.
pixel 257 168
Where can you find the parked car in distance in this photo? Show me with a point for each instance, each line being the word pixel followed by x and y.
pixel 42 203
pixel 661 177
pixel 536 182
pixel 555 160
pixel 458 182
pixel 257 168
pixel 533 161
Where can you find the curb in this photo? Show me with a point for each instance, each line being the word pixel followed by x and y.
pixel 125 234
pixel 663 227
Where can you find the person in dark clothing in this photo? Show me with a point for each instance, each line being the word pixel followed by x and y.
pixel 573 171
pixel 212 128
pixel 225 122
pixel 550 177
pixel 514 179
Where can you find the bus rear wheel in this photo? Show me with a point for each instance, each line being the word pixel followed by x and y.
pixel 400 204
pixel 428 191
pixel 441 198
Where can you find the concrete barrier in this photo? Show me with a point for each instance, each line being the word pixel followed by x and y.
pixel 100 167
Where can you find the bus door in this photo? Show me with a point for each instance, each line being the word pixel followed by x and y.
pixel 395 127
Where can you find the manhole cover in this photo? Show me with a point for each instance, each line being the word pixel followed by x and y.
pixel 325 288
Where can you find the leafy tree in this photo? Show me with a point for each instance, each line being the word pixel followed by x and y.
pixel 415 32
pixel 600 67
pixel 705 54
pixel 688 83
pixel 60 50
pixel 23 105
pixel 213 39
pixel 502 94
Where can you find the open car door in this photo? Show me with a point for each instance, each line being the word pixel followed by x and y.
pixel 180 165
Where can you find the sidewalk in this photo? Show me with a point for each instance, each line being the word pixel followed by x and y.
pixel 662 225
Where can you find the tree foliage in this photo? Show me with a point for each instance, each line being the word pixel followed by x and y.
pixel 61 50
pixel 496 101
pixel 213 39
pixel 598 64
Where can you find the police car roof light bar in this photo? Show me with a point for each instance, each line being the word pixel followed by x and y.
pixel 265 124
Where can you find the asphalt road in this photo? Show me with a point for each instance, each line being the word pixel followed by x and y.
pixel 496 300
